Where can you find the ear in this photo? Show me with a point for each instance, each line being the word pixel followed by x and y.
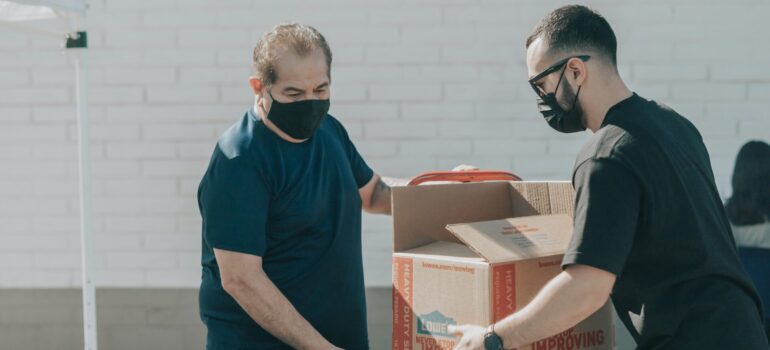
pixel 578 69
pixel 256 85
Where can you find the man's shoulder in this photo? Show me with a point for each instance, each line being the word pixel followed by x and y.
pixel 333 124
pixel 605 144
pixel 241 138
pixel 628 131
pixel 238 152
pixel 333 130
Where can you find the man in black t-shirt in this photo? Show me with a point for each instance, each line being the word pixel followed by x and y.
pixel 650 229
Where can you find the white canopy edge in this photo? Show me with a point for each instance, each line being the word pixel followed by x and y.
pixel 22 10
pixel 13 12
pixel 50 18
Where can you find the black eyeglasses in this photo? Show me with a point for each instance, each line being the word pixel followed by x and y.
pixel 555 67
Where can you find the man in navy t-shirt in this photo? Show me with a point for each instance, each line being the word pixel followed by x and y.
pixel 281 204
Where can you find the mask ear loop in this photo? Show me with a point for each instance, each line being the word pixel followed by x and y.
pixel 574 105
pixel 272 99
pixel 561 76
pixel 575 101
pixel 269 93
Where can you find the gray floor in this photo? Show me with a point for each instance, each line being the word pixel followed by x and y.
pixel 130 319
pixel 136 319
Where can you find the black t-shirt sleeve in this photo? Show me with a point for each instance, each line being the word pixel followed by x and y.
pixel 233 200
pixel 607 208
pixel 361 171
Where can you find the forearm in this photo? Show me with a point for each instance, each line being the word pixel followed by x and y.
pixel 380 201
pixel 561 304
pixel 272 311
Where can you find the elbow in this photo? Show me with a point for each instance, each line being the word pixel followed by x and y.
pixel 371 203
pixel 367 207
pixel 597 298
pixel 376 205
pixel 594 284
pixel 238 271
pixel 596 302
pixel 376 210
pixel 233 285
pixel 590 302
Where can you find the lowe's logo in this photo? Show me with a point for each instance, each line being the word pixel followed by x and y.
pixel 434 324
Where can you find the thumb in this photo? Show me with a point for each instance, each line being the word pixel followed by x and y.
pixel 457 330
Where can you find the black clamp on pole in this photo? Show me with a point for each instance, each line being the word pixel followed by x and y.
pixel 77 40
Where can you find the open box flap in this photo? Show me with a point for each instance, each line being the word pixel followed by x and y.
pixel 421 213
pixel 516 239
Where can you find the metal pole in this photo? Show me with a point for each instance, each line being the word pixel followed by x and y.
pixel 86 233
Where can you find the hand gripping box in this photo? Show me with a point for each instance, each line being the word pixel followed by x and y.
pixel 475 253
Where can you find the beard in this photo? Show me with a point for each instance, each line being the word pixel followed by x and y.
pixel 568 96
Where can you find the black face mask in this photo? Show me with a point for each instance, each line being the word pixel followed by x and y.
pixel 299 119
pixel 548 105
pixel 559 119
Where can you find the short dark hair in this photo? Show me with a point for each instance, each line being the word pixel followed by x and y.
pixel 750 202
pixel 299 38
pixel 577 28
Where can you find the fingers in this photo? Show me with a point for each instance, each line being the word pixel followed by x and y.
pixel 457 330
pixel 465 167
pixel 462 338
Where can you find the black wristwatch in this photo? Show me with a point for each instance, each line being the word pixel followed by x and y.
pixel 492 341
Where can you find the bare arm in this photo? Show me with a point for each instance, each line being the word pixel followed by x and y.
pixel 244 279
pixel 567 299
pixel 375 195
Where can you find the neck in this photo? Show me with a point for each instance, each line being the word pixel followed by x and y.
pixel 613 92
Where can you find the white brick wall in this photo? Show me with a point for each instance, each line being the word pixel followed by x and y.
pixel 420 85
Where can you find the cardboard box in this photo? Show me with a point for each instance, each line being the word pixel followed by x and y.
pixel 474 254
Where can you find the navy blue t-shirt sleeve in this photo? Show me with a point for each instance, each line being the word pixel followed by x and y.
pixel 233 200
pixel 607 208
pixel 361 171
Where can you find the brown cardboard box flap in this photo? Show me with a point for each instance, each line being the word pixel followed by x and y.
pixel 516 238
pixel 421 213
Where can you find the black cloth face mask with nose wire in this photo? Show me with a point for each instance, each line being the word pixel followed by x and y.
pixel 559 119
